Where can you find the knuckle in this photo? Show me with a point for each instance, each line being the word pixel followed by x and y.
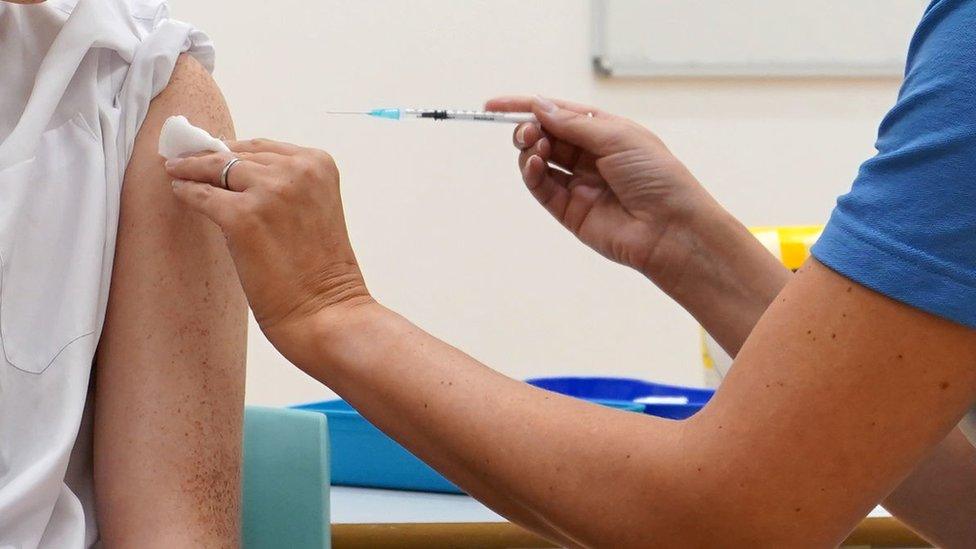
pixel 203 192
pixel 294 164
pixel 281 189
pixel 308 169
pixel 322 164
pixel 323 157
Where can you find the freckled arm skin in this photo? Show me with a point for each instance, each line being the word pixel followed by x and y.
pixel 170 364
pixel 727 274
pixel 838 393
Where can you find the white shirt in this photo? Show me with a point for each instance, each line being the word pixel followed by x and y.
pixel 76 78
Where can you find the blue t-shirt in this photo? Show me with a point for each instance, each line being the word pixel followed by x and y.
pixel 907 228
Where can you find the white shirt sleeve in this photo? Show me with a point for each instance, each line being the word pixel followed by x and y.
pixel 78 77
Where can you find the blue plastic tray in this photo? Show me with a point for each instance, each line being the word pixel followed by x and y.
pixel 624 391
pixel 363 456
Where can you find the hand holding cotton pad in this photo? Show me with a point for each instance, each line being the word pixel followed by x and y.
pixel 179 138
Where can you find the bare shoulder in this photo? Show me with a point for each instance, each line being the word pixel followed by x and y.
pixel 193 93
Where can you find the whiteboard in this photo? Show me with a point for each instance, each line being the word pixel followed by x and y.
pixel 753 37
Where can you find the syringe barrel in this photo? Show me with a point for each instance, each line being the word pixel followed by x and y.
pixel 475 116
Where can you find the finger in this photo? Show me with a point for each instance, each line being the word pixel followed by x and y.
pixel 555 153
pixel 263 145
pixel 523 103
pixel 594 134
pixel 217 204
pixel 208 169
pixel 263 158
pixel 564 154
pixel 581 201
pixel 526 135
pixel 542 149
pixel 547 186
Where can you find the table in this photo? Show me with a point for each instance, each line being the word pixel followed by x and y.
pixel 376 519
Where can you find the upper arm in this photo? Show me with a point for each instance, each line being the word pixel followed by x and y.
pixel 169 371
pixel 859 369
pixel 840 392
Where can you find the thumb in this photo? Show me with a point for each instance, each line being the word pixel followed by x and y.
pixel 595 135
pixel 206 199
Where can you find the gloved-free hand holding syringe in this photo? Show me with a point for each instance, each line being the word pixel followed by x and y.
pixel 445 114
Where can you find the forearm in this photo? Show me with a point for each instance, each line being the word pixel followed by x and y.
pixel 938 499
pixel 523 451
pixel 713 267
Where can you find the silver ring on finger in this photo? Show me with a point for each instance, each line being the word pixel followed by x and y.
pixel 226 171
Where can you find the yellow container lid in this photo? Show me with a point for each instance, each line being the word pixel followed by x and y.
pixel 790 243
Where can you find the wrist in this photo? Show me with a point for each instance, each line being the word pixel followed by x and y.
pixel 343 336
pixel 309 341
pixel 716 270
pixel 695 223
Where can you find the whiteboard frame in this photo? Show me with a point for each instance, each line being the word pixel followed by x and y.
pixel 610 68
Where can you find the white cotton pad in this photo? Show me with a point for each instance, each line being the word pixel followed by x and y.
pixel 179 138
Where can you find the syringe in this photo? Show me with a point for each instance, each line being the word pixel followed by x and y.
pixel 443 114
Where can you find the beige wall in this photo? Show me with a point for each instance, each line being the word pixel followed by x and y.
pixel 444 230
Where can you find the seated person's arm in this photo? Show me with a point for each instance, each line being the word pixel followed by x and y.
pixel 170 364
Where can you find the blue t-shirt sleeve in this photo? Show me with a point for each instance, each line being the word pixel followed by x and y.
pixel 907 228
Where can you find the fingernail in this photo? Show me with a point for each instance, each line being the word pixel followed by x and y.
pixel 532 184
pixel 177 183
pixel 545 105
pixel 520 136
pixel 173 162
